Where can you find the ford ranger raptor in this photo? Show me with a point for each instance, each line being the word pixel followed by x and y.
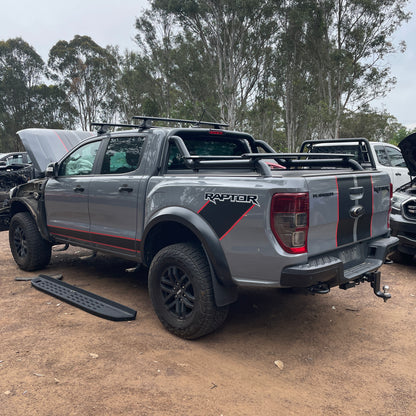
pixel 207 210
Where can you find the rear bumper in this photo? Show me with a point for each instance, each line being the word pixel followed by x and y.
pixel 333 270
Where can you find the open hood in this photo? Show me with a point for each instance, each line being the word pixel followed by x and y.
pixel 45 146
pixel 408 148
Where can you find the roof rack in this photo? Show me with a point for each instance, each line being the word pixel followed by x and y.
pixel 103 127
pixel 147 122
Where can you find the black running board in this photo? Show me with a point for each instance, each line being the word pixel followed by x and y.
pixel 82 299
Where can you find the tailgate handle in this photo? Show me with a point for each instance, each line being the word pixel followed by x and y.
pixel 357 192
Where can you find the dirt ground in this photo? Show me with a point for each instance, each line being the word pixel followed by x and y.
pixel 344 353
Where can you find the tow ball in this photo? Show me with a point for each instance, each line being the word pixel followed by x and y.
pixel 375 278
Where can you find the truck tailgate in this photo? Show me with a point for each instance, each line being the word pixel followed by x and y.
pixel 346 209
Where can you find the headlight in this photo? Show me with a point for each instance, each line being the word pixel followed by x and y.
pixel 397 200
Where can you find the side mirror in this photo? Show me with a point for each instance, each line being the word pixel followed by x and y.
pixel 3 163
pixel 52 170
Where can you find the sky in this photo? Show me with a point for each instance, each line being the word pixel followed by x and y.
pixel 42 23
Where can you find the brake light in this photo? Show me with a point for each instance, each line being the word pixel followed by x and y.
pixel 289 219
pixel 217 132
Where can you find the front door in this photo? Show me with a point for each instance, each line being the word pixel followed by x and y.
pixel 66 196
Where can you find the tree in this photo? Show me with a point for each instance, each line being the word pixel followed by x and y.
pixel 373 125
pixel 350 54
pixel 235 37
pixel 25 101
pixel 330 57
pixel 21 68
pixel 88 73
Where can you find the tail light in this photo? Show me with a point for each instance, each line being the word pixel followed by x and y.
pixel 289 218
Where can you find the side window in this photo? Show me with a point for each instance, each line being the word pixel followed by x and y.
pixel 382 155
pixel 175 158
pixel 396 157
pixel 81 161
pixel 122 155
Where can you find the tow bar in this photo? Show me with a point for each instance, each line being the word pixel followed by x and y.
pixel 375 278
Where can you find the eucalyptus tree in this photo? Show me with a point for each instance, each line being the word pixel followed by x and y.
pixel 21 68
pixel 25 100
pixel 234 39
pixel 351 62
pixel 88 73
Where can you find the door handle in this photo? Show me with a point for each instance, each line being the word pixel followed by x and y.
pixel 125 188
pixel 79 188
pixel 398 174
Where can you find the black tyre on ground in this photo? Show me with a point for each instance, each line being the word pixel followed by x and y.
pixel 180 287
pixel 30 251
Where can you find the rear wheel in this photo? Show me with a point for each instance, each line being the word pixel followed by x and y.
pixel 180 287
pixel 30 251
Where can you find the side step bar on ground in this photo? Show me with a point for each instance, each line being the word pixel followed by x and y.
pixel 83 299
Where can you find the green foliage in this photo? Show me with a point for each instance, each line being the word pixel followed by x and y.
pixel 284 71
pixel 24 100
pixel 372 125
pixel 88 73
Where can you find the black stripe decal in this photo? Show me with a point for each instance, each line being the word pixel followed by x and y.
pixel 345 231
pixel 222 215
pixel 104 240
pixel 364 222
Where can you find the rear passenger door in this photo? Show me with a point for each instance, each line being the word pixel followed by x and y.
pixel 116 196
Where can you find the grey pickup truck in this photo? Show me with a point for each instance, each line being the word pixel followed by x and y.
pixel 207 210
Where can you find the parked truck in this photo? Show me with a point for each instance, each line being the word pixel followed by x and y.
pixel 207 211
pixel 372 155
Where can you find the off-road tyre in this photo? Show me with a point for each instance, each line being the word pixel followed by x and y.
pixel 30 251
pixel 180 287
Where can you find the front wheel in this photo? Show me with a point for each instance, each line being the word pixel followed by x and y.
pixel 180 287
pixel 30 251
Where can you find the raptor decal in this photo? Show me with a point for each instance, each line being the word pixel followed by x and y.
pixel 224 211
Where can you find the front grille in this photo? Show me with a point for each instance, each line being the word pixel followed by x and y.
pixel 409 209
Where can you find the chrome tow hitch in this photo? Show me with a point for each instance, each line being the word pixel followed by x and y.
pixel 375 278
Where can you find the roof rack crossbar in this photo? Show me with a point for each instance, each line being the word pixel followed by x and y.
pixel 195 123
pixel 103 127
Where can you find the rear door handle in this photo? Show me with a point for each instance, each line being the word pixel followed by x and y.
pixel 398 174
pixel 125 188
pixel 79 188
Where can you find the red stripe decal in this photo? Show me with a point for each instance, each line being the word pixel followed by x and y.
pixel 238 221
pixel 336 230
pixel 63 144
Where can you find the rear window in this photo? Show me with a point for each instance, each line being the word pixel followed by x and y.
pixel 359 156
pixel 207 146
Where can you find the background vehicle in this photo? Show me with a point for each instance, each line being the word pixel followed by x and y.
pixel 45 146
pixel 403 213
pixel 14 160
pixel 383 156
pixel 202 208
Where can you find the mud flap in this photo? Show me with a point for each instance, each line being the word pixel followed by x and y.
pixel 83 299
